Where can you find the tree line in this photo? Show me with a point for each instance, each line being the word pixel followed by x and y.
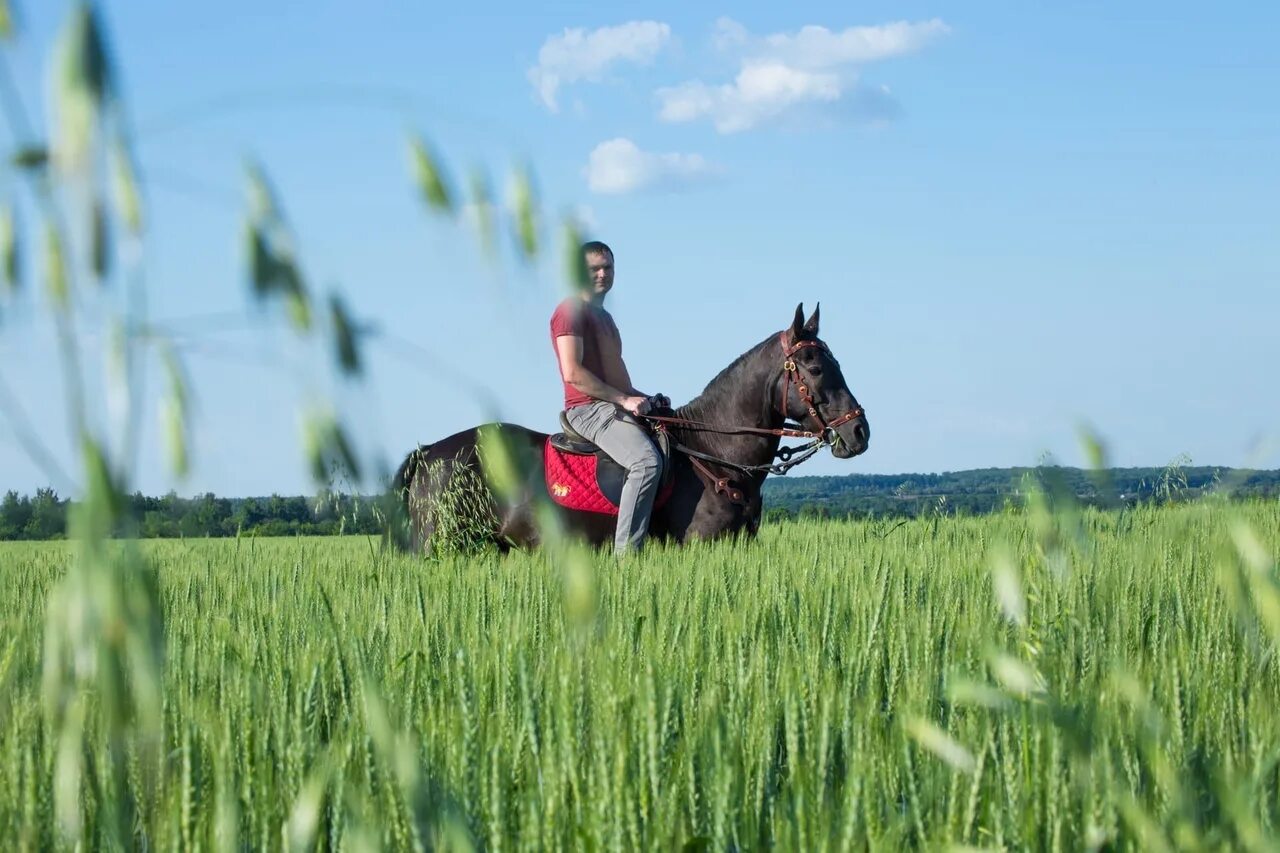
pixel 986 490
pixel 44 516
pixel 976 492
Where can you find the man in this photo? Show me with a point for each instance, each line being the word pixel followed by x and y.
pixel 600 400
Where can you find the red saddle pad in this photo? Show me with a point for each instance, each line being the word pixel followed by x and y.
pixel 571 482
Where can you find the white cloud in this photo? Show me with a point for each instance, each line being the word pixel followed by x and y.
pixel 619 166
pixel 760 91
pixel 819 47
pixel 781 72
pixel 729 34
pixel 577 54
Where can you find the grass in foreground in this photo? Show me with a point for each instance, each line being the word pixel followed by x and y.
pixel 830 686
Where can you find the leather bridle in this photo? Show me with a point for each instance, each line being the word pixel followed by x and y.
pixel 789 456
pixel 791 370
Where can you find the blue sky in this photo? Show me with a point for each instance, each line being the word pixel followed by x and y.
pixel 1017 219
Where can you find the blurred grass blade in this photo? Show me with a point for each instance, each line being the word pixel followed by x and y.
pixel 525 212
pixel 1008 588
pixel 55 269
pixel 118 360
pixel 8 23
pixel 482 208
pixel 576 275
pixel 1095 451
pixel 10 250
pixel 344 335
pixel 429 176
pixel 329 452
pixel 297 302
pixel 1146 830
pixel 941 744
pixel 304 817
pixel 124 183
pixel 1262 577
pixel 100 242
pixel 580 594
pixel 1015 676
pixel 344 452
pixel 1251 549
pixel 967 692
pixel 272 266
pixel 83 83
pixel 69 773
pixel 263 208
pixel 87 64
pixel 262 266
pixel 505 466
pixel 315 429
pixel 175 414
pixel 29 158
pixel 103 502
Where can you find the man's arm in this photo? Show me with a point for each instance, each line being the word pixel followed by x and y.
pixel 569 353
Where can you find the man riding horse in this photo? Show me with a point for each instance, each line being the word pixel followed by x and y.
pixel 600 402
pixel 614 485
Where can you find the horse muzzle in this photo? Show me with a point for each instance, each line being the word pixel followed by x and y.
pixel 851 439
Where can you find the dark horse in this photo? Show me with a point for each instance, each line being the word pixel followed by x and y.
pixel 727 438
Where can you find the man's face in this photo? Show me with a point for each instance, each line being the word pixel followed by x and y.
pixel 600 272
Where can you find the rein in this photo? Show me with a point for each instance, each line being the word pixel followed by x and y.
pixel 789 456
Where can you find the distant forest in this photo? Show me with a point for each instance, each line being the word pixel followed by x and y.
pixel 43 516
pixel 990 489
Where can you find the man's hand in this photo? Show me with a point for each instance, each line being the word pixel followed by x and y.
pixel 635 405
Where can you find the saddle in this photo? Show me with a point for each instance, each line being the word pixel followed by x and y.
pixel 569 441
pixel 580 475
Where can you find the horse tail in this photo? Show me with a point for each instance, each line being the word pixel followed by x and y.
pixel 399 516
pixel 404 474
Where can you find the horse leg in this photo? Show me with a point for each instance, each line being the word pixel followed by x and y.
pixel 718 517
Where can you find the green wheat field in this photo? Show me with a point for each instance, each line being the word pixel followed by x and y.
pixel 1020 681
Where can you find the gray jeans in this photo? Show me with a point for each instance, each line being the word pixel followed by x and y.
pixel 616 433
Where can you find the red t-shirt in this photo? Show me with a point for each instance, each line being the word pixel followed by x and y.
pixel 601 345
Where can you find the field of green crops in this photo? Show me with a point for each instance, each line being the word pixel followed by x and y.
pixel 1006 682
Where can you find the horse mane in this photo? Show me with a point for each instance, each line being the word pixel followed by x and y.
pixel 722 388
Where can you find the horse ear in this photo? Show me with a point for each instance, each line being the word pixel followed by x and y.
pixel 812 326
pixel 797 325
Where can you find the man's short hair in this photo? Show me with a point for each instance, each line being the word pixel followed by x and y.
pixel 597 248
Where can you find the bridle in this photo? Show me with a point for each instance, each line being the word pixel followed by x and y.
pixel 789 456
pixel 791 370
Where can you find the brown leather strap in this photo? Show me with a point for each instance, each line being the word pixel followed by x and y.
pixel 703 425
pixel 722 484
pixel 790 369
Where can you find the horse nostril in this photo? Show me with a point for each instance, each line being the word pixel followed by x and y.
pixel 861 432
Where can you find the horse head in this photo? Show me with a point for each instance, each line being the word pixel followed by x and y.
pixel 813 390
